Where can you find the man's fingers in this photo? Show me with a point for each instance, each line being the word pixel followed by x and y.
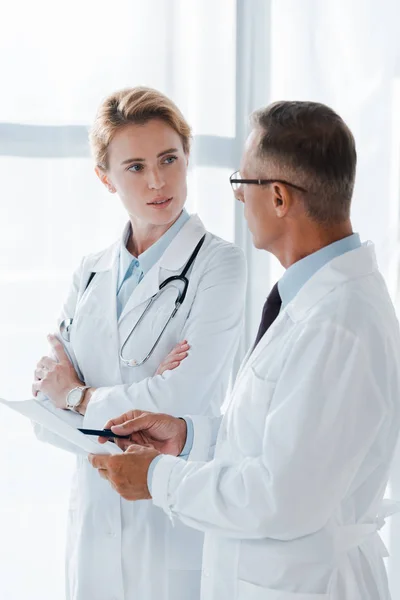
pixel 133 426
pixel 99 461
pixel 117 421
pixel 134 449
pixel 125 428
pixel 123 444
pixel 103 473
pixel 128 416
pixel 58 348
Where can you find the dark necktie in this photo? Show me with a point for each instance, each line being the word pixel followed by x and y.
pixel 270 311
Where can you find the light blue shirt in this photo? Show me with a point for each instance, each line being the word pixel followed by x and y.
pixel 132 269
pixel 300 272
pixel 289 286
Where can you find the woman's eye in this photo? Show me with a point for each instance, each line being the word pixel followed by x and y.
pixel 135 168
pixel 170 159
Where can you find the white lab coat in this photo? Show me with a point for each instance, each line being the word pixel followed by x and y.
pixel 119 550
pixel 291 502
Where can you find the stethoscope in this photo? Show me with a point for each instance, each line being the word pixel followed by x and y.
pixel 66 324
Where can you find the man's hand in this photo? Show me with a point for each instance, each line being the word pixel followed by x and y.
pixel 164 433
pixel 55 378
pixel 126 472
pixel 174 358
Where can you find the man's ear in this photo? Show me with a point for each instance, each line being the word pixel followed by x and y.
pixel 282 199
pixel 105 180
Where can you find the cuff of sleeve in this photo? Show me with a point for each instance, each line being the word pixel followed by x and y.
pixel 201 445
pixel 160 480
pixel 104 405
pixel 189 437
pixel 150 472
pixel 94 417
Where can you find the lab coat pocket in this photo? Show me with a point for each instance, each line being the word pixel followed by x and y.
pixel 262 391
pixel 251 591
pixel 249 412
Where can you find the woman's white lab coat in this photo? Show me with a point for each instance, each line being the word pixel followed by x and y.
pixel 292 502
pixel 119 550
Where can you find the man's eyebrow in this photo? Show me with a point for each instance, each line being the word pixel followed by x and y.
pixel 130 160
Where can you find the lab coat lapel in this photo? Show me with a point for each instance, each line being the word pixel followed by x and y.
pixel 337 272
pixel 98 299
pixel 143 291
pixel 104 282
pixel 274 331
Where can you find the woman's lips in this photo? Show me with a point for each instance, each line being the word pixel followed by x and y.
pixel 160 203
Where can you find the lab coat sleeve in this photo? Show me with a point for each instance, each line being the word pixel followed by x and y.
pixel 72 418
pixel 205 433
pixel 325 413
pixel 213 329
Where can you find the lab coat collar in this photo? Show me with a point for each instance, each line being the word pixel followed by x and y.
pixel 183 244
pixel 174 258
pixel 105 260
pixel 351 265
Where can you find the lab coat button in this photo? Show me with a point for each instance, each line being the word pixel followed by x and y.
pixel 111 534
pixel 206 572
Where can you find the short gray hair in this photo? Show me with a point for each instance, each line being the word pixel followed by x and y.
pixel 310 143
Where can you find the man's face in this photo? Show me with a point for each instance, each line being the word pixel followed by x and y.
pixel 259 206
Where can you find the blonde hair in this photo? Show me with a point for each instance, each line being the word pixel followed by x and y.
pixel 135 106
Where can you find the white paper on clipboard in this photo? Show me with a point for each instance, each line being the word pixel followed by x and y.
pixel 36 411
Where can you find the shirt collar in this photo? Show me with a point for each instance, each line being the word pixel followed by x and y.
pixel 300 272
pixel 148 259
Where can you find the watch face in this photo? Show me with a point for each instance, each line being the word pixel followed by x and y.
pixel 74 396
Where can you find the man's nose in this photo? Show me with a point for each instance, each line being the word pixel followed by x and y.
pixel 239 194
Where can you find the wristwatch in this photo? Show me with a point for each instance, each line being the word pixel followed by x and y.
pixel 75 397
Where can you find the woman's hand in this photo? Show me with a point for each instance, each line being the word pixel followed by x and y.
pixel 174 358
pixel 55 378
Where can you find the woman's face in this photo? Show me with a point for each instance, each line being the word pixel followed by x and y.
pixel 147 168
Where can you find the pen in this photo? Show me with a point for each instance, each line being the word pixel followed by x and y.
pixel 107 433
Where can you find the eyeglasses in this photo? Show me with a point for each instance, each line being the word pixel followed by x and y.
pixel 236 181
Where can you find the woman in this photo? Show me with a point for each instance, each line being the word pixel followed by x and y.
pixel 116 549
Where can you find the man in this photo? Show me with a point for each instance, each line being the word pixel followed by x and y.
pixel 290 503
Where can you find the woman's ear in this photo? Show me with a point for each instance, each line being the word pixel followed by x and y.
pixel 105 180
